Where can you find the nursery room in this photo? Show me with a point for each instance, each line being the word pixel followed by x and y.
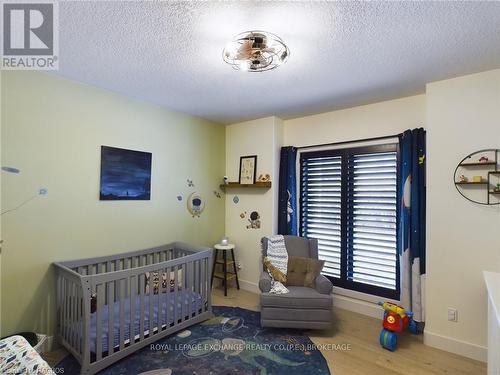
pixel 250 187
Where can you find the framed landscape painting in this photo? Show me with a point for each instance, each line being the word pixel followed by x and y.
pixel 125 174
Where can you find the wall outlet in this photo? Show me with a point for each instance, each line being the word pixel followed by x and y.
pixel 452 315
pixel 239 266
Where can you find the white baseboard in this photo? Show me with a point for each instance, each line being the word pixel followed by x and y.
pixel 249 286
pixel 361 307
pixel 45 343
pixel 449 344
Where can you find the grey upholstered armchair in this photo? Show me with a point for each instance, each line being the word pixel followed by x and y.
pixel 302 307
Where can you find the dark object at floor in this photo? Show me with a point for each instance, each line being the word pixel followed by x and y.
pixel 31 337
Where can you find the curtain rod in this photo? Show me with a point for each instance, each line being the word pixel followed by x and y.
pixel 346 142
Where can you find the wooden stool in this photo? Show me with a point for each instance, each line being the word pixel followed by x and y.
pixel 225 275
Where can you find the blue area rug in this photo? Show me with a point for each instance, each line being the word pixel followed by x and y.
pixel 232 342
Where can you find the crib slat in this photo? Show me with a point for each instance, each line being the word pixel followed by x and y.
pixel 74 322
pixel 132 309
pixel 189 279
pixel 151 295
pixel 99 303
pixel 203 282
pixel 184 313
pixel 122 314
pixel 141 297
pixel 208 303
pixel 70 312
pixel 65 309
pixel 79 314
pixel 176 272
pixel 161 290
pixel 167 298
pixel 111 317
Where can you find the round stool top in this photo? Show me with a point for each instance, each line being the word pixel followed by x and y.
pixel 218 246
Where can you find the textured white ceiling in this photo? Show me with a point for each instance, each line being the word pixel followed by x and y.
pixel 342 53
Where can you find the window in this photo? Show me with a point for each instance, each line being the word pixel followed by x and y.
pixel 348 201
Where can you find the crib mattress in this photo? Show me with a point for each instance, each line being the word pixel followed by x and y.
pixel 182 311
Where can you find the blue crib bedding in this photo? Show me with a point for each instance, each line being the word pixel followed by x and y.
pixel 182 311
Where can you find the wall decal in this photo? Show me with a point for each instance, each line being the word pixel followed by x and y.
pixel 179 198
pixel 254 220
pixel 125 174
pixel 195 204
pixel 243 215
pixel 217 194
pixel 236 199
pixel 190 183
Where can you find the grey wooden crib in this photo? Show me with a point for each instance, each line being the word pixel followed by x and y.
pixel 111 306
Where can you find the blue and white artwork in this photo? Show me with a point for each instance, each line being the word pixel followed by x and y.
pixel 125 174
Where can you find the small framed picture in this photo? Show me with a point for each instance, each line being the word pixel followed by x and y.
pixel 248 169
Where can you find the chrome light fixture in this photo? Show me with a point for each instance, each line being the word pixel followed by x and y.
pixel 255 51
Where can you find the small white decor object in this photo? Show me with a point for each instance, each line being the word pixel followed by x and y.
pixel 224 241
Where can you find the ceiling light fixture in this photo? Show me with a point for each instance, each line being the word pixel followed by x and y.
pixel 255 51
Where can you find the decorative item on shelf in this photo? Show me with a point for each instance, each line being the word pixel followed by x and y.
pixel 225 180
pixel 224 241
pixel 254 220
pixel 462 178
pixel 477 179
pixel 264 178
pixel 195 204
pixel 484 159
pixel 248 169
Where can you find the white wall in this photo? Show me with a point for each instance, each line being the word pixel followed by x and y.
pixel 373 120
pixel 463 115
pixel 262 138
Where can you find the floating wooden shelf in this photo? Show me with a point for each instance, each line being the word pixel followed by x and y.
pixel 265 185
pixel 490 163
pixel 494 172
pixel 472 183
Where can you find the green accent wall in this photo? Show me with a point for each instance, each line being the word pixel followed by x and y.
pixel 52 130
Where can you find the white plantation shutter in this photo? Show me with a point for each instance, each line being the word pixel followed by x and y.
pixel 321 208
pixel 372 219
pixel 348 201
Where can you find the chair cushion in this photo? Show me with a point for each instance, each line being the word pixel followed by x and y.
pixel 298 297
pixel 303 271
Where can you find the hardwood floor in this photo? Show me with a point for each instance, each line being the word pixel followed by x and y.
pixel 360 333
pixel 365 356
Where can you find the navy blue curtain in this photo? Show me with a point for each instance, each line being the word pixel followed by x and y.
pixel 287 206
pixel 412 219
